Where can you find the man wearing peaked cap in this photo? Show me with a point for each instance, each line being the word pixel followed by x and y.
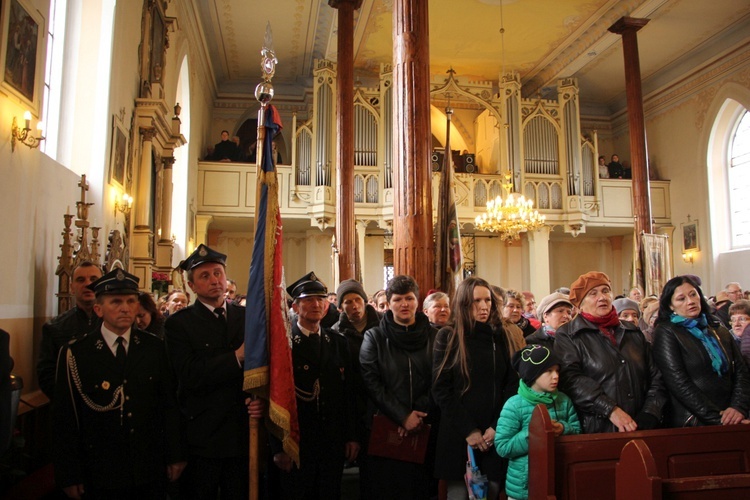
pixel 202 255
pixel 325 402
pixel 307 286
pixel 206 346
pixel 114 431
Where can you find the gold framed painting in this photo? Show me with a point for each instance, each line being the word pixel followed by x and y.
pixel 22 52
pixel 690 236
pixel 118 153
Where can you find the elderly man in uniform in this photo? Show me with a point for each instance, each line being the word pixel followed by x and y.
pixel 115 416
pixel 205 343
pixel 76 321
pixel 325 404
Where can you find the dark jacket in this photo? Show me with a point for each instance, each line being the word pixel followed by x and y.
pixel 354 340
pixel 397 377
pixel 597 376
pixel 118 447
pixel 697 393
pixel 326 422
pixel 201 348
pixel 56 333
pixel 542 338
pixel 493 381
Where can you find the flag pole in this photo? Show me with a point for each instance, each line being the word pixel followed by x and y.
pixel 263 93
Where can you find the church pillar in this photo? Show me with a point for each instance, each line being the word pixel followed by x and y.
pixel 165 244
pixel 143 199
pixel 361 230
pixel 414 252
pixel 345 235
pixel 142 249
pixel 628 27
pixel 539 275
pixel 201 229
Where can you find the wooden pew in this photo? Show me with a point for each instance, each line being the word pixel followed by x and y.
pixel 583 466
pixel 638 477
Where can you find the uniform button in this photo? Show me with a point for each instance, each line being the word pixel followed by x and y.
pixel 630 395
pixel 622 361
pixel 207 345
pixel 132 431
pixel 306 367
pixel 127 398
pixel 130 415
pixel 124 381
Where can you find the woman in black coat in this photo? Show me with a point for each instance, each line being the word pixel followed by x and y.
pixel 396 361
pixel 472 380
pixel 606 365
pixel 702 367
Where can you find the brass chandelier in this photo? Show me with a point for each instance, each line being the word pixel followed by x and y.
pixel 511 216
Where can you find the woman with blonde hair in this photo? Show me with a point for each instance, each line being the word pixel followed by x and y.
pixel 472 379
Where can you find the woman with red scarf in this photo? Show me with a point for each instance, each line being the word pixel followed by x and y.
pixel 606 365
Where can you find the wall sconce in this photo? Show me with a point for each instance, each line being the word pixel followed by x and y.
pixel 688 257
pixel 23 136
pixel 124 204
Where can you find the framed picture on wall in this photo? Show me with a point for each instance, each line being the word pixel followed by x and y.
pixel 690 236
pixel 22 52
pixel 118 154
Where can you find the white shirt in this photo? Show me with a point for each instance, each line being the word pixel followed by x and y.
pixel 111 337
pixel 213 309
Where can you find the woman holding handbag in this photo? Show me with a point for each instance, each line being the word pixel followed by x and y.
pixel 396 360
pixel 472 380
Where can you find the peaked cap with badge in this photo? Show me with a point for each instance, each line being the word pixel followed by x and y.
pixel 202 255
pixel 307 286
pixel 115 282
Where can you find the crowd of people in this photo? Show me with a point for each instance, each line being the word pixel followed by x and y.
pixel 147 396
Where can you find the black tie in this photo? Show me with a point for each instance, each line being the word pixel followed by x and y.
pixel 220 313
pixel 120 353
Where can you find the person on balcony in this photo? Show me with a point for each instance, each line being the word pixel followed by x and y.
pixel 226 150
pixel 616 170
pixel 603 169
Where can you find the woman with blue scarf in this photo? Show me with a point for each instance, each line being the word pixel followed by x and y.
pixel 702 368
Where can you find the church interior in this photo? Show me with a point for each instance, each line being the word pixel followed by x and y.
pixel 134 95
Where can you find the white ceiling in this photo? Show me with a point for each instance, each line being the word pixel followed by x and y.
pixel 544 40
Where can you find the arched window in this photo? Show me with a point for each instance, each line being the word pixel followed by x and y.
pixel 739 182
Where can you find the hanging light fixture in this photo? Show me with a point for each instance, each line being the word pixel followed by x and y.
pixel 509 216
pixel 514 214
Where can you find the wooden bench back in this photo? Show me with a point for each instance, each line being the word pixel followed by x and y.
pixel 583 466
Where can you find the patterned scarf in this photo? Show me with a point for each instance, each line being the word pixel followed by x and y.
pixel 606 324
pixel 698 328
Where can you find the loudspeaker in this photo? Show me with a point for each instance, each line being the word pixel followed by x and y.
pixel 437 159
pixel 468 163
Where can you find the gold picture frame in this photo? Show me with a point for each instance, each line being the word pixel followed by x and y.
pixel 690 236
pixel 118 154
pixel 22 52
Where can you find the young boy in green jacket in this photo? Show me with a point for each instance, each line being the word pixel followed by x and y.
pixel 539 370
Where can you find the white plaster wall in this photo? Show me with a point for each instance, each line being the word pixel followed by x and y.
pixel 372 267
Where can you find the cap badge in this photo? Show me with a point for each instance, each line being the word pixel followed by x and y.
pixel 120 275
pixel 203 252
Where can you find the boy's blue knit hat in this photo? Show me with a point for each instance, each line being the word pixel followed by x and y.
pixel 533 360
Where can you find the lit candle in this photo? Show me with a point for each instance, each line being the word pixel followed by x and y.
pixel 27 117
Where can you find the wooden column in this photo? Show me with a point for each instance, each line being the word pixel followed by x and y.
pixel 345 234
pixel 414 251
pixel 628 27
